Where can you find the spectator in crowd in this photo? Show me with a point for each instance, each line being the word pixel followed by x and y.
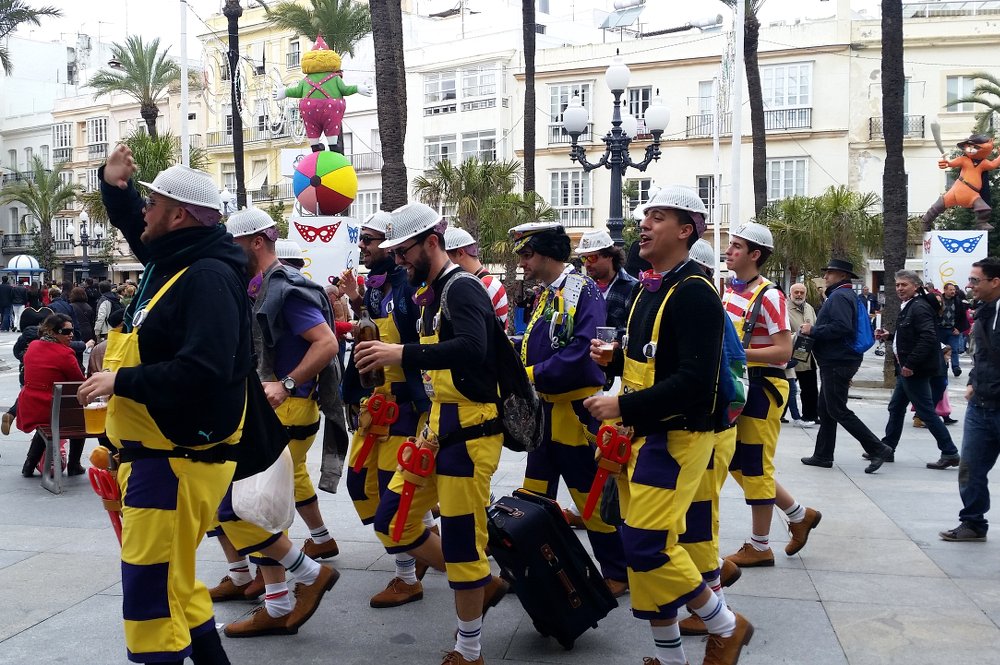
pixel 84 313
pixel 953 324
pixel 20 300
pixel 799 313
pixel 6 304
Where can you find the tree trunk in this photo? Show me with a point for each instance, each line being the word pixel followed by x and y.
pixel 528 32
pixel 390 90
pixel 149 113
pixel 233 11
pixel 894 175
pixel 756 95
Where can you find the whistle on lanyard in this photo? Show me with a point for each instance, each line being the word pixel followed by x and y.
pixel 614 448
pixel 416 463
pixel 378 413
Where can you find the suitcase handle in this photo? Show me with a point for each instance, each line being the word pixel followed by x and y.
pixel 513 512
pixel 571 593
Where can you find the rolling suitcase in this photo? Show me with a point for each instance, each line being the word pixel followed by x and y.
pixel 555 579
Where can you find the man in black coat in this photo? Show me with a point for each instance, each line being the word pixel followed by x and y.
pixel 6 304
pixel 918 358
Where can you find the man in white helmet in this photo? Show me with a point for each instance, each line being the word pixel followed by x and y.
pixel 604 263
pixel 463 250
pixel 670 367
pixel 757 308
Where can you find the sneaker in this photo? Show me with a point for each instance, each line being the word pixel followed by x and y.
pixel 616 587
pixel 800 531
pixel 963 533
pixel 258 623
pixel 227 590
pixel 397 593
pixel 574 520
pixel 729 574
pixel 917 422
pixel 812 460
pixel 726 650
pixel 494 592
pixel 308 596
pixel 944 462
pixel 324 550
pixel 455 658
pixel 5 422
pixel 804 424
pixel 749 556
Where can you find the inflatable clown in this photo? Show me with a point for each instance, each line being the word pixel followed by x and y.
pixel 971 190
pixel 321 95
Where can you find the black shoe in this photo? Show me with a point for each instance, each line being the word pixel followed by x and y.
pixel 963 533
pixel 957 371
pixel 784 420
pixel 887 457
pixel 944 462
pixel 815 461
pixel 75 470
pixel 875 463
pixel 948 420
pixel 28 470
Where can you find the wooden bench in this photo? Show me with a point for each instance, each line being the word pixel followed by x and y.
pixel 67 423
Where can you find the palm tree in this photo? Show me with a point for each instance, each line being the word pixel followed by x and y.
pixel 528 35
pixel 13 14
pixel 43 193
pixel 390 91
pixel 466 187
pixel 145 75
pixel 986 93
pixel 343 23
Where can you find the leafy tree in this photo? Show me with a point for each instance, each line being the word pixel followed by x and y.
pixel 43 194
pixel 343 23
pixel 985 93
pixel 14 14
pixel 466 187
pixel 276 211
pixel 145 75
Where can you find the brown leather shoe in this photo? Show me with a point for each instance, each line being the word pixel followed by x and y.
pixel 944 462
pixel 308 596
pixel 693 625
pixel 455 658
pixel 616 587
pixel 575 521
pixel 397 593
pixel 726 650
pixel 226 590
pixel 800 531
pixel 749 556
pixel 494 591
pixel 729 573
pixel 258 623
pixel 256 588
pixel 324 550
pixel 5 423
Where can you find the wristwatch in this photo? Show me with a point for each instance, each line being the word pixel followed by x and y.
pixel 289 383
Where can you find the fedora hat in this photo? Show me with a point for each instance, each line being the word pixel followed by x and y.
pixel 842 266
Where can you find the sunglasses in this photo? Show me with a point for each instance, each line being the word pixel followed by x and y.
pixel 590 258
pixel 65 331
pixel 401 253
pixel 150 202
pixel 367 239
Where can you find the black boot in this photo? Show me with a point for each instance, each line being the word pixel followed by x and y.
pixel 206 649
pixel 35 452
pixel 73 466
pixel 932 213
pixel 983 216
pixel 319 147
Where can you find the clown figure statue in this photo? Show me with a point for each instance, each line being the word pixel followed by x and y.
pixel 321 95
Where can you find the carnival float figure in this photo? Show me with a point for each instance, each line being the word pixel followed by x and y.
pixel 321 95
pixel 971 190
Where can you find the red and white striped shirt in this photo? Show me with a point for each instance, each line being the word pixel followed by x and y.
pixel 773 317
pixel 498 294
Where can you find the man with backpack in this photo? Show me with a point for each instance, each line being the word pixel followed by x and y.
pixel 837 326
pixel 448 463
pixel 108 302
pixel 758 311
pixel 557 358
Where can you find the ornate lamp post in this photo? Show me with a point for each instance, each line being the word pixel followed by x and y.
pixel 84 241
pixel 616 155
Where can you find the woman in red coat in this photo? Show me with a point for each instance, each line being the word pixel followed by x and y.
pixel 49 359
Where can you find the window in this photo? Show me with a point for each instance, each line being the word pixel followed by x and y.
pixel 479 82
pixel 93 184
pixel 260 115
pixel 376 145
pixel 45 157
pixel 559 96
pixel 229 124
pixel 439 149
pixel 706 190
pixel 786 178
pixel 543 6
pixel 29 154
pixel 706 100
pixel 639 191
pixel 570 188
pixel 258 175
pixel 97 130
pixel 62 135
pixel 439 87
pixel 294 55
pixel 59 226
pixel 229 177
pixel 256 53
pixel 638 101
pixel 481 145
pixel 66 177
pixel 224 70
pixel 15 221
pixel 12 160
pixel 959 87
pixel 348 143
pixel 365 203
pixel 786 86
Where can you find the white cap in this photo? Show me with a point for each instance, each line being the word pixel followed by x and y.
pixel 186 185
pixel 455 238
pixel 288 249
pixel 677 197
pixel 594 241
pixel 703 254
pixel 248 221
pixel 408 221
pixel 755 233
pixel 376 221
pixel 522 233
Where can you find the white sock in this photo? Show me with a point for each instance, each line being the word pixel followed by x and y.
pixel 239 572
pixel 715 584
pixel 429 519
pixel 468 643
pixel 406 568
pixel 669 648
pixel 760 543
pixel 320 534
pixel 301 567
pixel 796 513
pixel 719 619
pixel 277 599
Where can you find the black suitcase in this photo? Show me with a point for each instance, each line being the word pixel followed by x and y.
pixel 555 579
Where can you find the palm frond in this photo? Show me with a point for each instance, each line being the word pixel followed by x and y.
pixel 342 23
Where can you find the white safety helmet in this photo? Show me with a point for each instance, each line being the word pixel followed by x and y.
pixel 456 238
pixel 703 254
pixel 288 249
pixel 755 233
pixel 186 185
pixel 677 197
pixel 376 221
pixel 594 241
pixel 409 221
pixel 249 221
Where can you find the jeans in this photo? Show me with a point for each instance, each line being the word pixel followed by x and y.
pixel 809 394
pixel 954 341
pixel 916 389
pixel 980 448
pixel 792 405
pixel 835 381
pixel 6 318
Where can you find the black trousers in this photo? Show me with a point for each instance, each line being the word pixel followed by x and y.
pixel 833 410
pixel 809 395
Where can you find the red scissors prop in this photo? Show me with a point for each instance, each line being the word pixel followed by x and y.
pixel 379 414
pixel 614 449
pixel 417 464
pixel 106 487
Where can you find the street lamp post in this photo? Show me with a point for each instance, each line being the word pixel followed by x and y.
pixel 616 155
pixel 233 11
pixel 84 242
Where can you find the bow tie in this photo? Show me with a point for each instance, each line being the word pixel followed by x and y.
pixel 651 280
pixel 424 296
pixel 376 281
pixel 255 285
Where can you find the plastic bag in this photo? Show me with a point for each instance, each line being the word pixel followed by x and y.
pixel 267 499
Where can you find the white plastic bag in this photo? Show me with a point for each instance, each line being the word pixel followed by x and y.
pixel 268 498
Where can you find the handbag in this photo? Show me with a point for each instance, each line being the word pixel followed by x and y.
pixel 263 438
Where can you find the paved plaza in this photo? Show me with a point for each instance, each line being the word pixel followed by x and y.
pixel 874 586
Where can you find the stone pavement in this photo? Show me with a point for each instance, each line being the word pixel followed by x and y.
pixel 874 586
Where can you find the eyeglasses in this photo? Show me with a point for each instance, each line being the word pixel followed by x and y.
pixel 401 252
pixel 65 331
pixel 590 258
pixel 978 280
pixel 367 239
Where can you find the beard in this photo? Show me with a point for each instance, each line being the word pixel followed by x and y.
pixel 419 270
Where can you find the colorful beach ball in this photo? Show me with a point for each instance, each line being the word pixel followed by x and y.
pixel 325 183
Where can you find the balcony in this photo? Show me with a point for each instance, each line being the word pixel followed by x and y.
pixel 800 118
pixel 702 125
pixel 62 155
pixel 97 151
pixel 724 216
pixel 558 135
pixel 28 176
pixel 269 193
pixel 367 161
pixel 250 135
pixel 64 247
pixel 14 243
pixel 575 217
pixel 913 127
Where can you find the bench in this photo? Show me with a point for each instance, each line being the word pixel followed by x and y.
pixel 67 423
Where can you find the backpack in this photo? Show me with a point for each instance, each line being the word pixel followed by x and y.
pixel 521 416
pixel 864 338
pixel 733 380
pixel 116 305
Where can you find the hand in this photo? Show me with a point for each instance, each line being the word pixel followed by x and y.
pixel 805 328
pixel 942 163
pixel 90 344
pixel 906 371
pixel 603 408
pixel 881 334
pixel 279 94
pixel 120 167
pixel 276 393
pixel 954 331
pixel 969 390
pixel 349 284
pixel 595 349
pixel 364 89
pixel 370 355
pixel 101 384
